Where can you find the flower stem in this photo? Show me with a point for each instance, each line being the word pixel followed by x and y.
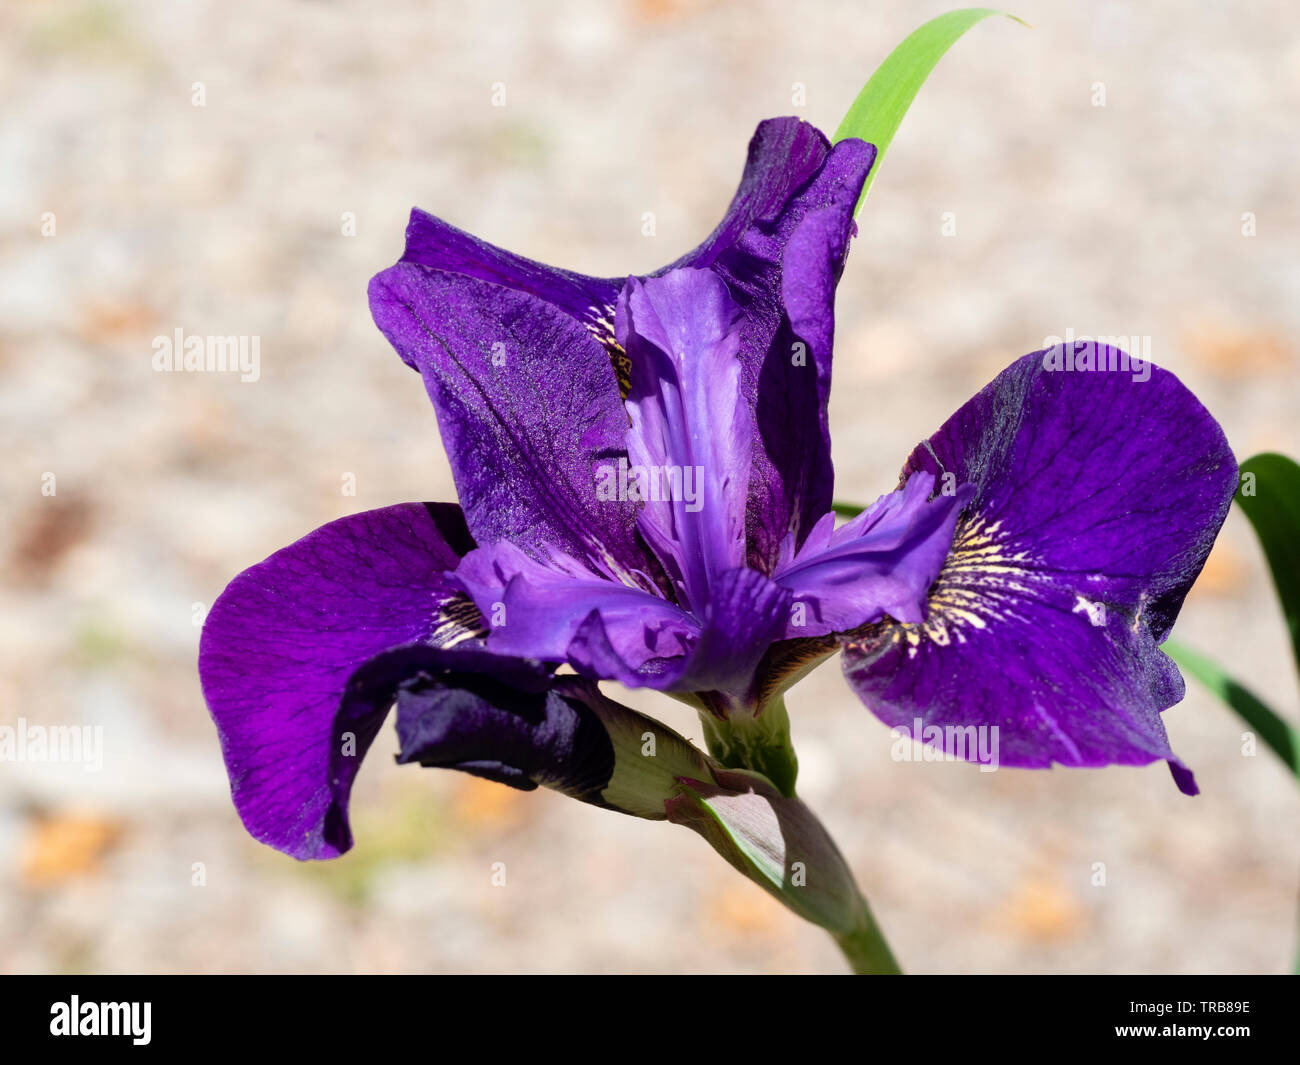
pixel 865 948
pixel 758 741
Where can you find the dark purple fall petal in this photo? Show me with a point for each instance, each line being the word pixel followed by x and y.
pixel 282 654
pixel 524 437
pixel 304 654
pixel 1097 499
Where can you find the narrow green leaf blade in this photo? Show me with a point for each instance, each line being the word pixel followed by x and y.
pixel 847 510
pixel 879 109
pixel 1269 494
pixel 1282 737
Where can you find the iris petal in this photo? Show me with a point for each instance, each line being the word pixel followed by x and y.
pixel 1098 494
pixel 282 657
pixel 512 721
pixel 502 719
pixel 525 442
pixel 691 431
pixel 780 248
pixel 719 652
pixel 434 243
pixel 882 562
pixel 304 654
pixel 534 609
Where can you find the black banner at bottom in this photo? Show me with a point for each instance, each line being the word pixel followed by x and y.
pixel 441 1014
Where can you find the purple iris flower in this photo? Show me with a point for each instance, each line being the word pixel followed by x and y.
pixel 644 474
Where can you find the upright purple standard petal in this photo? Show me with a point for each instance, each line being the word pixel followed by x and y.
pixel 688 451
pixel 1098 493
pixel 785 154
pixel 434 243
pixel 282 657
pixel 780 248
pixel 525 440
pixel 691 434
pixel 781 251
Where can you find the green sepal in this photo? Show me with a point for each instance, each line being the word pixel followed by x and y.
pixel 775 841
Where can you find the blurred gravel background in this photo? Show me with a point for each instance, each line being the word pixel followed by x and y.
pixel 227 219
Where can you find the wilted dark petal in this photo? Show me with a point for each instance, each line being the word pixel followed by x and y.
pixel 282 654
pixel 512 721
pixel 691 431
pixel 882 562
pixel 499 718
pixel 1097 497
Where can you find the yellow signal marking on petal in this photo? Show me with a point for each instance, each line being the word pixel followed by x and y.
pixel 458 619
pixel 600 324
pixel 982 581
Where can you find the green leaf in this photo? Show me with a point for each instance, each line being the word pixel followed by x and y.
pixel 1269 494
pixel 879 109
pixel 847 510
pixel 1267 723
